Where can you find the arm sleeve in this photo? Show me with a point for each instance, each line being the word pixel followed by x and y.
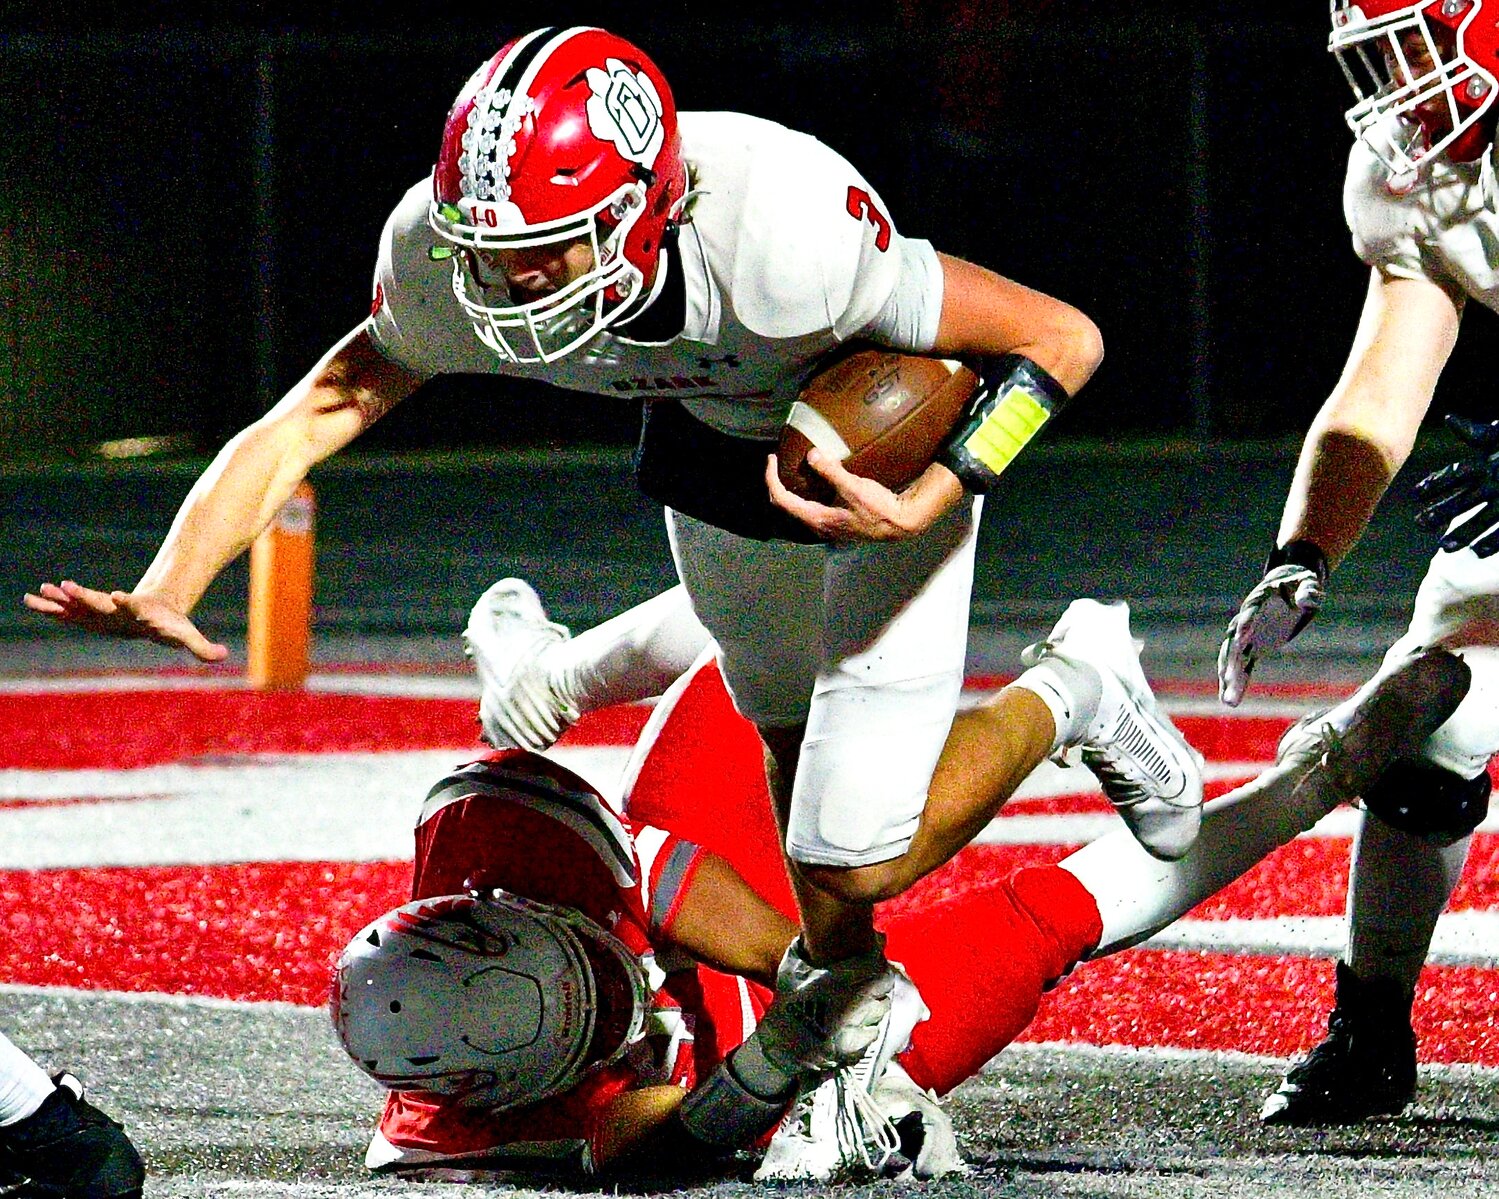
pixel 815 247
pixel 667 864
pixel 403 285
pixel 1386 225
pixel 909 319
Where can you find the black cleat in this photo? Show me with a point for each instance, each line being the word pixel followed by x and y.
pixel 69 1149
pixel 1365 1066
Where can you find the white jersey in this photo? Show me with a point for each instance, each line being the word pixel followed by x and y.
pixel 787 252
pixel 1444 228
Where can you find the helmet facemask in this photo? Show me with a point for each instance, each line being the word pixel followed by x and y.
pixel 1409 64
pixel 551 326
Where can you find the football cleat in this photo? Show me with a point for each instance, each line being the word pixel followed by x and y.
pixel 1145 766
pixel 927 1142
pixel 834 1131
pixel 69 1149
pixel 1365 1066
pixel 1394 719
pixel 522 706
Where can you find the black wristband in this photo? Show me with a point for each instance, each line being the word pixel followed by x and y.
pixel 722 1113
pixel 1303 553
pixel 1014 398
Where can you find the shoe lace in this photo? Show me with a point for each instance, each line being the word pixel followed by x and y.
pixel 861 1125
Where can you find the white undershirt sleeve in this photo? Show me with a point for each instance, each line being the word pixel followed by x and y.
pixel 908 321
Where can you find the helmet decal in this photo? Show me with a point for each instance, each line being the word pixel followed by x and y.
pixel 626 109
pixel 489 141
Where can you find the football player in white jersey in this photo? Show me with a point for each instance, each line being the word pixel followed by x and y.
pixel 576 230
pixel 1421 203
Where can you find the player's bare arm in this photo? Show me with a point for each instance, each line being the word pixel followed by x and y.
pixel 1358 441
pixel 1366 428
pixel 723 922
pixel 236 497
pixel 983 314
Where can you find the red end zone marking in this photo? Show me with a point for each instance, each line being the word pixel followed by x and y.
pixel 271 931
pixel 119 730
pixel 257 931
pixel 1269 1005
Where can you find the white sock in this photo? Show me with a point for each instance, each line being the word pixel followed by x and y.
pixel 23 1084
pixel 633 656
pixel 1070 690
pixel 1138 895
pixel 1398 886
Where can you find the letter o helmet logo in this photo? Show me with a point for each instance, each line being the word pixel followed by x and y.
pixel 625 109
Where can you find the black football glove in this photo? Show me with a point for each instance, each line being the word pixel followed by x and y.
pixel 1472 482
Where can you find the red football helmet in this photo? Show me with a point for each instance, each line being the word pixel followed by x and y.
pixel 566 136
pixel 1425 76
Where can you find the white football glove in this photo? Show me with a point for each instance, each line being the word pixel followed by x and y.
pixel 825 1017
pixel 1279 607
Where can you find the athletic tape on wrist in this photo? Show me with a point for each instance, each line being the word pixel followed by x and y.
pixel 757 1073
pixel 1015 397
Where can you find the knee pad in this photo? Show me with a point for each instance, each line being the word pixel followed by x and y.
pixel 1429 801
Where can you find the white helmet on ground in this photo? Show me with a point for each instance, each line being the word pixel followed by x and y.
pixel 491 997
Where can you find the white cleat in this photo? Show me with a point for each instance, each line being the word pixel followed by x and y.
pixel 1147 769
pixel 836 1128
pixel 507 634
pixel 927 1141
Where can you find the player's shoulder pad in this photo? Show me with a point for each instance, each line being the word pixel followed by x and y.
pixel 814 247
pixel 1378 218
pixel 406 277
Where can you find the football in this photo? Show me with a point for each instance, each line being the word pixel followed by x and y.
pixel 882 414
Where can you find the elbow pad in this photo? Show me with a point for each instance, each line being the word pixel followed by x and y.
pixel 1014 398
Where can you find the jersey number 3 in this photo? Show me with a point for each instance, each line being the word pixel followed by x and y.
pixel 861 207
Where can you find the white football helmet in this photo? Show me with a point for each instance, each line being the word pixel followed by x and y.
pixel 1424 75
pixel 491 997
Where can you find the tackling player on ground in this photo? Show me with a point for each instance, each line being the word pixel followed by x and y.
pixel 576 230
pixel 1420 200
pixel 529 886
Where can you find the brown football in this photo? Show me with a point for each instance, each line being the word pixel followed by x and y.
pixel 882 414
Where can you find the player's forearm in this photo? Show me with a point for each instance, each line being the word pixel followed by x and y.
pixel 257 471
pixel 1346 465
pixel 232 501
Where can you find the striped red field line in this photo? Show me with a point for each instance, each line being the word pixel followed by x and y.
pixel 269 932
pixel 121 730
pixel 124 729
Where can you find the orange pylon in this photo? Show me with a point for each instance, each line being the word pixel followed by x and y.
pixel 280 624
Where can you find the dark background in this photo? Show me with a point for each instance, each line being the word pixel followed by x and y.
pixel 189 203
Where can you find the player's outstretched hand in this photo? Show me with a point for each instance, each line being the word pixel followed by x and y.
pixel 866 510
pixel 122 614
pixel 1280 606
pixel 1469 485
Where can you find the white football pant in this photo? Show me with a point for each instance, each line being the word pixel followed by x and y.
pixel 865 644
